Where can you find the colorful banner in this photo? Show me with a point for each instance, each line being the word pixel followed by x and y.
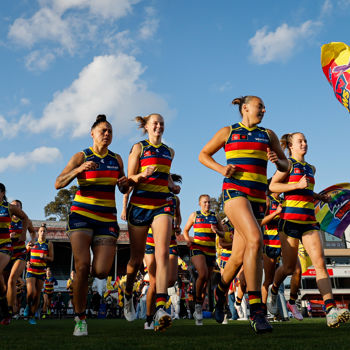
pixel 334 217
pixel 335 60
pixel 304 258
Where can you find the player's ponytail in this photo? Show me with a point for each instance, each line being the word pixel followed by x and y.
pixel 240 101
pixel 142 121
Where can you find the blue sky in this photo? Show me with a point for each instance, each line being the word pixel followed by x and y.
pixel 65 61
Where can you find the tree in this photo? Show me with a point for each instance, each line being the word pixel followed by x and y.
pixel 60 207
pixel 216 205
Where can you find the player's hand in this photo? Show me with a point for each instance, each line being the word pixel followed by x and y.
pixel 175 189
pixel 325 198
pixel 229 170
pixel 279 209
pixel 123 182
pixel 303 183
pixel 272 156
pixel 148 171
pixel 86 166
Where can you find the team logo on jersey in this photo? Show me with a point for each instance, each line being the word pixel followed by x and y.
pixel 243 137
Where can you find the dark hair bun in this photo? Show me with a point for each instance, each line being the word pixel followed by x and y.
pixel 101 118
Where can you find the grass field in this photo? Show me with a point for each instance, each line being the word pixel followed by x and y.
pixel 119 334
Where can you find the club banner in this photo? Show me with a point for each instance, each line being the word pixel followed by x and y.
pixel 335 60
pixel 334 217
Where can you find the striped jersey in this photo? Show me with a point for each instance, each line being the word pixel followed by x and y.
pixel 246 149
pixel 204 237
pixel 5 222
pixel 49 284
pixel 298 205
pixel 95 197
pixel 153 192
pixel 37 253
pixel 271 237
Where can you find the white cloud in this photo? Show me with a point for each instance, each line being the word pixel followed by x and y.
pixel 11 129
pixel 38 60
pixel 104 8
pixel 109 85
pixel 150 25
pixel 280 44
pixel 41 155
pixel 45 24
pixel 327 8
pixel 25 101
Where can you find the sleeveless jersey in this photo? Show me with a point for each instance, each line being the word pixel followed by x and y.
pixel 226 253
pixel 70 287
pixel 271 237
pixel 298 205
pixel 49 285
pixel 204 237
pixel 246 148
pixel 95 197
pixel 18 246
pixel 37 253
pixel 5 221
pixel 153 192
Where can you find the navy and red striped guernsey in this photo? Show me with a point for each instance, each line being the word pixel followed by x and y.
pixel 271 236
pixel 38 252
pixel 153 192
pixel 298 205
pixel 5 221
pixel 18 246
pixel 246 148
pixel 95 197
pixel 204 237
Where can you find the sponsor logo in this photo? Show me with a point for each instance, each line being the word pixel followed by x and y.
pixel 243 137
pixel 235 137
pixel 167 209
pixel 262 140
pixel 297 171
pixel 147 153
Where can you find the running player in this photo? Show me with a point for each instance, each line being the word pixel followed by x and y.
pixel 173 260
pixel 206 225
pixel 150 207
pixel 224 246
pixel 247 147
pixel 298 222
pixel 19 254
pixel 272 254
pixel 40 253
pixel 6 212
pixel 92 221
pixel 49 284
pixel 69 287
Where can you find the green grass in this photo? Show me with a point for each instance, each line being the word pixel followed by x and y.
pixel 120 334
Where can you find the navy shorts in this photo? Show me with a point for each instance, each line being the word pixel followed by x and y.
pixel 272 252
pixel 40 277
pixel 77 222
pixel 210 259
pixel 144 217
pixel 150 249
pixel 257 207
pixel 292 229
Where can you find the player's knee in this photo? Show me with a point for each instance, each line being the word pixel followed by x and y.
pixel 82 269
